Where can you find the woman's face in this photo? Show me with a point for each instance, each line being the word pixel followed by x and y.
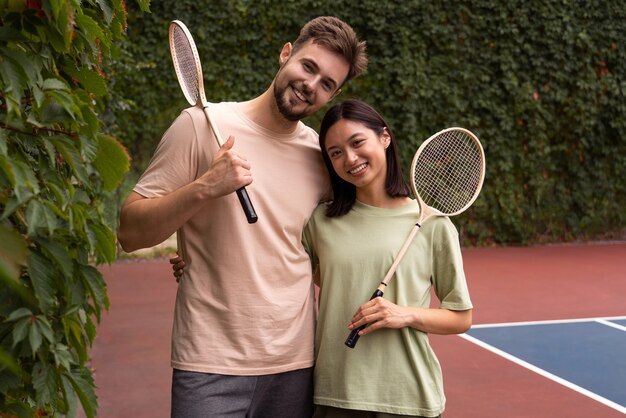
pixel 357 153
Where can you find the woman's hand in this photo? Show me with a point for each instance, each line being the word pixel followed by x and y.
pixel 178 265
pixel 381 313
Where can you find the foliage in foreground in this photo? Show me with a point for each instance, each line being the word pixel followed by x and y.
pixel 57 170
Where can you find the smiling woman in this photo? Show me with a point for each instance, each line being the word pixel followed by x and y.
pixel 354 135
pixel 357 154
pixel 352 241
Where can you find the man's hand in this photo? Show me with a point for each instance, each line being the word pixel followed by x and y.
pixel 229 171
pixel 147 222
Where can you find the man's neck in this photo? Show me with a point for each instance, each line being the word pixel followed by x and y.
pixel 263 111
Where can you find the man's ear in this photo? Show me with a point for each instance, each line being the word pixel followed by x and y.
pixel 285 53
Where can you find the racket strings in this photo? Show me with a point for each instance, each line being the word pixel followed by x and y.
pixel 186 63
pixel 447 173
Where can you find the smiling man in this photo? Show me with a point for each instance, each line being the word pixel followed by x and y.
pixel 242 340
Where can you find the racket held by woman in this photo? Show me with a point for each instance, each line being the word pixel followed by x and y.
pixel 447 174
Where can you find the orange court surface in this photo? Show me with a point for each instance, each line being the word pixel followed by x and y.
pixel 548 341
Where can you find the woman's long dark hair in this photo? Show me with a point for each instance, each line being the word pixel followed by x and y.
pixel 344 193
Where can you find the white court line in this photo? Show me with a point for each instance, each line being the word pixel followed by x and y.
pixel 611 324
pixel 542 372
pixel 551 321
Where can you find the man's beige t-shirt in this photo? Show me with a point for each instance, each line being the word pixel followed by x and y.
pixel 245 305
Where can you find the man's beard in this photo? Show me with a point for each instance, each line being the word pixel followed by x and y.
pixel 284 107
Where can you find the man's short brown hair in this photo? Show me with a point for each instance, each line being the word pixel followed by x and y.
pixel 338 37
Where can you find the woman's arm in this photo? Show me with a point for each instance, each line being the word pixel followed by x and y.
pixel 381 313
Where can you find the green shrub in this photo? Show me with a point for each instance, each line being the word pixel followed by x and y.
pixel 57 172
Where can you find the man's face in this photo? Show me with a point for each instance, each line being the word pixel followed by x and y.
pixel 307 80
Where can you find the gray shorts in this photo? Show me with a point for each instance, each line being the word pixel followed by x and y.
pixel 282 395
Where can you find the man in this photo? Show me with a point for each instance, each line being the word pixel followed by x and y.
pixel 242 341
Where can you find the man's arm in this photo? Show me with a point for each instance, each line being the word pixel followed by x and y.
pixel 145 222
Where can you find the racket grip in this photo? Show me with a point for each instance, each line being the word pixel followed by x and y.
pixel 246 204
pixel 354 336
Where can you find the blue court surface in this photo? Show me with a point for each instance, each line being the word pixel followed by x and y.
pixel 586 355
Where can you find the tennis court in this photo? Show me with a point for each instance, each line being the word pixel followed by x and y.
pixel 548 339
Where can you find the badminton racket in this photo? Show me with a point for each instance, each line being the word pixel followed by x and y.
pixel 447 174
pixel 189 73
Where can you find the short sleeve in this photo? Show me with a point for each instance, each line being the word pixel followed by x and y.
pixel 448 272
pixel 175 161
pixel 308 241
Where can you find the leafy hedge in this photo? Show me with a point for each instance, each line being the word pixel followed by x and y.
pixel 543 84
pixel 57 172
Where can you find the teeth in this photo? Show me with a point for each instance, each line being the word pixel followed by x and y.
pixel 358 169
pixel 300 95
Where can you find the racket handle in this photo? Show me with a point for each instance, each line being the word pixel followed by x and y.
pixel 354 336
pixel 246 204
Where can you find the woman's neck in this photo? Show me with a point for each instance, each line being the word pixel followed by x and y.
pixel 380 199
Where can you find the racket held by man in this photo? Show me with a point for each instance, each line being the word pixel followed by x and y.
pixel 189 74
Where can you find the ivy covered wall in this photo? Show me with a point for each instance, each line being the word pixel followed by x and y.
pixel 543 85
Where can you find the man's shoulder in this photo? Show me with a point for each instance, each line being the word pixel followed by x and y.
pixel 307 130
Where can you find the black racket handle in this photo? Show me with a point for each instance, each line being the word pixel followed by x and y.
pixel 354 336
pixel 246 204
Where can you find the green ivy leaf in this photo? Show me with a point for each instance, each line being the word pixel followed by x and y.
pixel 112 162
pixel 13 252
pixel 20 330
pixel 13 255
pixel 57 253
pixel 68 150
pixel 34 337
pixel 67 102
pixel 19 314
pixel 40 216
pixel 90 28
pixel 54 84
pixel 83 386
pixel 107 9
pixel 62 356
pixel 91 80
pixel 144 5
pixel 44 381
pixel 103 242
pixel 96 285
pixel 68 393
pixel 15 81
pixel 42 275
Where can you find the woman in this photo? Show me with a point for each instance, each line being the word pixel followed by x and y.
pixel 353 241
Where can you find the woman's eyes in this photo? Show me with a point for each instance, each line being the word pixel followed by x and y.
pixel 354 144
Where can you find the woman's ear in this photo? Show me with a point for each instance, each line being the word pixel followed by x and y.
pixel 385 138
